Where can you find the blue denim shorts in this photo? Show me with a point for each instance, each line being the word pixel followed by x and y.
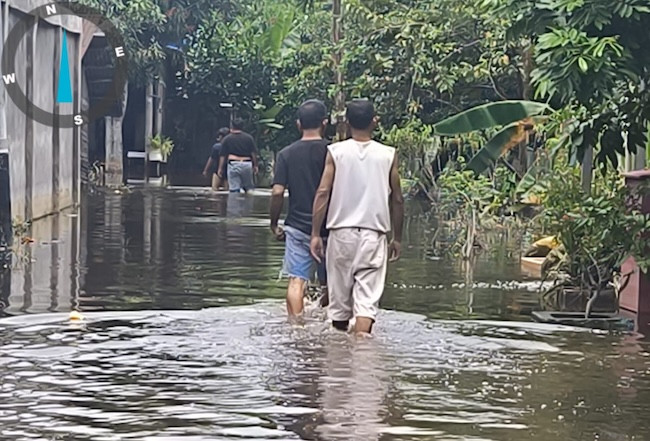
pixel 298 261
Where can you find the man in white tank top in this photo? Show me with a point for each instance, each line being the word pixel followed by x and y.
pixel 361 189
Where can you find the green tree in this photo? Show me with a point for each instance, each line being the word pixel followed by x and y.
pixel 590 55
pixel 155 30
pixel 425 59
pixel 248 56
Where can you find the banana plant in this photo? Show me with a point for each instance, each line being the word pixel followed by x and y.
pixel 268 117
pixel 515 118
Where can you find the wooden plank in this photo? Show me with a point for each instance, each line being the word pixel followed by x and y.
pixel 77 133
pixel 160 102
pixel 532 266
pixel 30 40
pixel 56 136
pixel 148 126
pixel 4 23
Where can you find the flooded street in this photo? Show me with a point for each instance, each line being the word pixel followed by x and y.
pixel 185 338
pixel 187 248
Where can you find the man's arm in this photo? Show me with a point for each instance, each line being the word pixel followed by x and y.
pixel 321 201
pixel 280 181
pixel 254 155
pixel 208 166
pixel 222 160
pixel 223 156
pixel 322 198
pixel 277 203
pixel 396 210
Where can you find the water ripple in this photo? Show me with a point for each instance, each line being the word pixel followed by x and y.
pixel 243 373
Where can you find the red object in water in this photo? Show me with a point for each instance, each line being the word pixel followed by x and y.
pixel 635 297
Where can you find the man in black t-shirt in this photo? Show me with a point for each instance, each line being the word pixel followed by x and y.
pixel 299 168
pixel 214 160
pixel 240 152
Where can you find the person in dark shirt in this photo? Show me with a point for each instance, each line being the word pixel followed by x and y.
pixel 240 152
pixel 214 160
pixel 299 168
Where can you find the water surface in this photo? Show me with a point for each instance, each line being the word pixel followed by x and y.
pixel 184 338
pixel 187 248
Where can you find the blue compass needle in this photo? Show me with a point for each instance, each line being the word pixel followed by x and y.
pixel 65 81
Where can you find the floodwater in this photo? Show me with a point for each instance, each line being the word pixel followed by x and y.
pixel 185 338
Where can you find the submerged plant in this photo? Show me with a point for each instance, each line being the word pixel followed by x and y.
pixel 474 205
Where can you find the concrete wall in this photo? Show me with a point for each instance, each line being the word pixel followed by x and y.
pixel 43 160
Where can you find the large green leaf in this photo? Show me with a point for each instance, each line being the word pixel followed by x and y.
pixel 279 34
pixel 271 113
pixel 487 116
pixel 493 149
pixel 271 124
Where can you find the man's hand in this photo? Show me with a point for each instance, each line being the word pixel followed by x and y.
pixel 205 173
pixel 394 251
pixel 256 170
pixel 278 232
pixel 317 249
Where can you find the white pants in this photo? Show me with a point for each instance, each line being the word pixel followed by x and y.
pixel 356 272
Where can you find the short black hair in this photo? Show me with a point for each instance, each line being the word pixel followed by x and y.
pixel 311 114
pixel 360 113
pixel 223 132
pixel 237 124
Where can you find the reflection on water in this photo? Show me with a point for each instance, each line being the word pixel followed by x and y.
pixel 44 276
pixel 354 388
pixel 243 373
pixel 216 360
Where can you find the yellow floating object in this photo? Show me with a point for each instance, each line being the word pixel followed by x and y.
pixel 547 242
pixel 542 247
pixel 76 316
pixel 532 199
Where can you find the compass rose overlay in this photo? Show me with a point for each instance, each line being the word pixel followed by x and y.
pixel 64 89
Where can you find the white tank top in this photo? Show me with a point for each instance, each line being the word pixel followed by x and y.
pixel 361 190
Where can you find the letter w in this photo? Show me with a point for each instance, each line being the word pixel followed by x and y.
pixel 9 79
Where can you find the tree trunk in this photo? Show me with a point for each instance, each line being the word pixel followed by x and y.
pixel 339 99
pixel 527 89
pixel 587 169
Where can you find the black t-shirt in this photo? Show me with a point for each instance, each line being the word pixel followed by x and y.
pixel 216 152
pixel 216 156
pixel 299 167
pixel 238 144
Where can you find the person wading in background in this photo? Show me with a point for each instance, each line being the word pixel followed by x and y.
pixel 214 160
pixel 299 167
pixel 361 188
pixel 240 152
